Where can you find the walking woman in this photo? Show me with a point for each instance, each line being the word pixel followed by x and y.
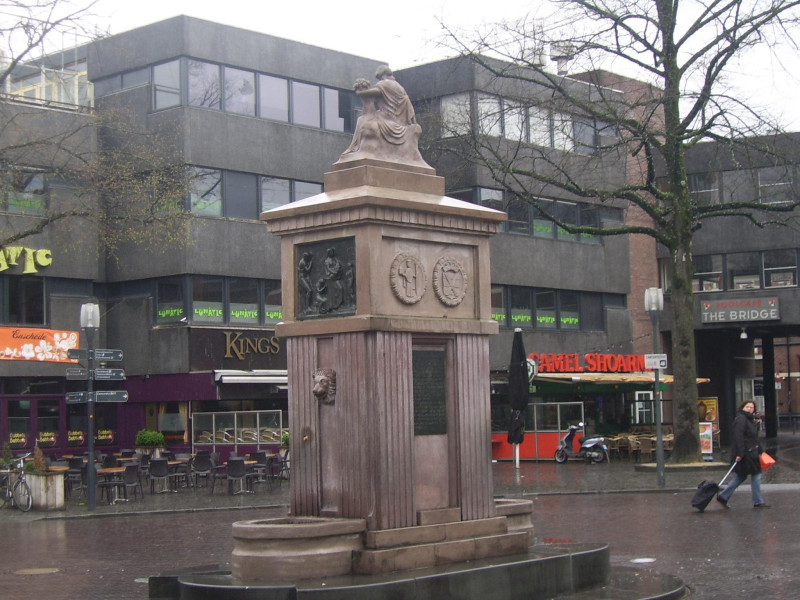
pixel 745 452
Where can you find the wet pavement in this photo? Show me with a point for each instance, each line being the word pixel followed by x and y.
pixel 720 554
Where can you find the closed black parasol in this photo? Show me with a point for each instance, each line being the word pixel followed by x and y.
pixel 518 389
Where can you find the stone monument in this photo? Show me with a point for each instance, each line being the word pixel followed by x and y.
pixel 387 314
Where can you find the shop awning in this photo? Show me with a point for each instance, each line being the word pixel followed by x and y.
pixel 274 376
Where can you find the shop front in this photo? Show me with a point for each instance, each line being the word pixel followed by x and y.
pixel 609 393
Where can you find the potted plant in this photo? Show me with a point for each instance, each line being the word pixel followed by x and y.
pixel 150 442
pixel 285 439
pixel 47 487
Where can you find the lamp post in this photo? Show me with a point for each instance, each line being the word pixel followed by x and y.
pixel 90 322
pixel 653 305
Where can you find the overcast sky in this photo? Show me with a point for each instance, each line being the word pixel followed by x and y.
pixel 404 32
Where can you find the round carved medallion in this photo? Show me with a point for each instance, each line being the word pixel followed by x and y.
pixel 407 276
pixel 449 281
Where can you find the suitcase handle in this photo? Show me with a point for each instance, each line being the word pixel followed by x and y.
pixel 733 466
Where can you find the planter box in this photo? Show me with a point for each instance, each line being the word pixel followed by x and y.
pixel 47 490
pixel 152 451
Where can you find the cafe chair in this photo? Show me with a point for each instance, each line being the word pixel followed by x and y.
pixel 109 461
pixel 202 468
pixel 262 470
pixel 159 472
pixel 131 480
pixel 237 473
pixel 127 453
pixel 283 467
pixel 73 477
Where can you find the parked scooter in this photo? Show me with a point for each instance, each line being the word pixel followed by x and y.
pixel 592 449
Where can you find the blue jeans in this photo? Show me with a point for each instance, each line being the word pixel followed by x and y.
pixel 755 487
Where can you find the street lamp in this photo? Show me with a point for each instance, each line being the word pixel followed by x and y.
pixel 90 322
pixel 653 305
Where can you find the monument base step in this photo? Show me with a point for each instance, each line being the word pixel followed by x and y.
pixel 419 556
pixel 542 572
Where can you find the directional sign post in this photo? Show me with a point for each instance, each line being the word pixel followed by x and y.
pixel 76 397
pixel 109 374
pixel 77 354
pixel 76 373
pixel 106 355
pixel 111 396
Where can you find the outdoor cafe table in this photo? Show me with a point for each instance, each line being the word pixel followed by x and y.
pixel 113 475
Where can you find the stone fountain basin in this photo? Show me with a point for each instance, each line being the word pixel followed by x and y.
pixel 292 548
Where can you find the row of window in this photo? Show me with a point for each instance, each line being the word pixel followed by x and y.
pixel 205 299
pixel 768 185
pixel 243 195
pixel 68 85
pixel 537 308
pixel 741 270
pixel 188 82
pixel 496 116
pixel 527 219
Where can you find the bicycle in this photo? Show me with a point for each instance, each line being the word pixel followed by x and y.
pixel 18 493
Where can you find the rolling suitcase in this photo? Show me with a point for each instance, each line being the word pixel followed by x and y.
pixel 707 490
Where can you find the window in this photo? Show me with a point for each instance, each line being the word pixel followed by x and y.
pixel 739 186
pixel 563 132
pixel 240 91
pixel 204 84
pixel 546 309
pixel 521 308
pixel 25 300
pixel 205 197
pixel 567 213
pixel 569 315
pixel 273 98
pixel 704 188
pixel 47 423
pixel 167 85
pixel 514 121
pixel 455 115
pixel 19 424
pixel 490 116
pixel 775 185
pixel 542 226
pixel 519 216
pixel 337 107
pixel 584 135
pixel 707 273
pixel 25 192
pixel 499 304
pixel 243 301
pixel 306 189
pixel 170 301
pixel 273 302
pixel 490 198
pixel 241 195
pixel 275 192
pixel 780 268
pixel 744 270
pixel 539 126
pixel 207 299
pixel 643 409
pixel 305 104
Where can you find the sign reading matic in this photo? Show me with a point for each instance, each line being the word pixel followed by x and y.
pixel 31 259
pixel 730 310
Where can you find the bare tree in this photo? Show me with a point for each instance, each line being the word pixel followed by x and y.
pixel 64 166
pixel 680 56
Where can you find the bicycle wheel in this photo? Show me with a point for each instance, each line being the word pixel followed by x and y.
pixel 22 495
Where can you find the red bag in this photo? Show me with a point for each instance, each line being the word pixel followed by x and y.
pixel 766 461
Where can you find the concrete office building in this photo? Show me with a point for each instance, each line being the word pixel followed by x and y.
pixel 260 119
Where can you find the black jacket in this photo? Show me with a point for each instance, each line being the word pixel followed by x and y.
pixel 745 444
